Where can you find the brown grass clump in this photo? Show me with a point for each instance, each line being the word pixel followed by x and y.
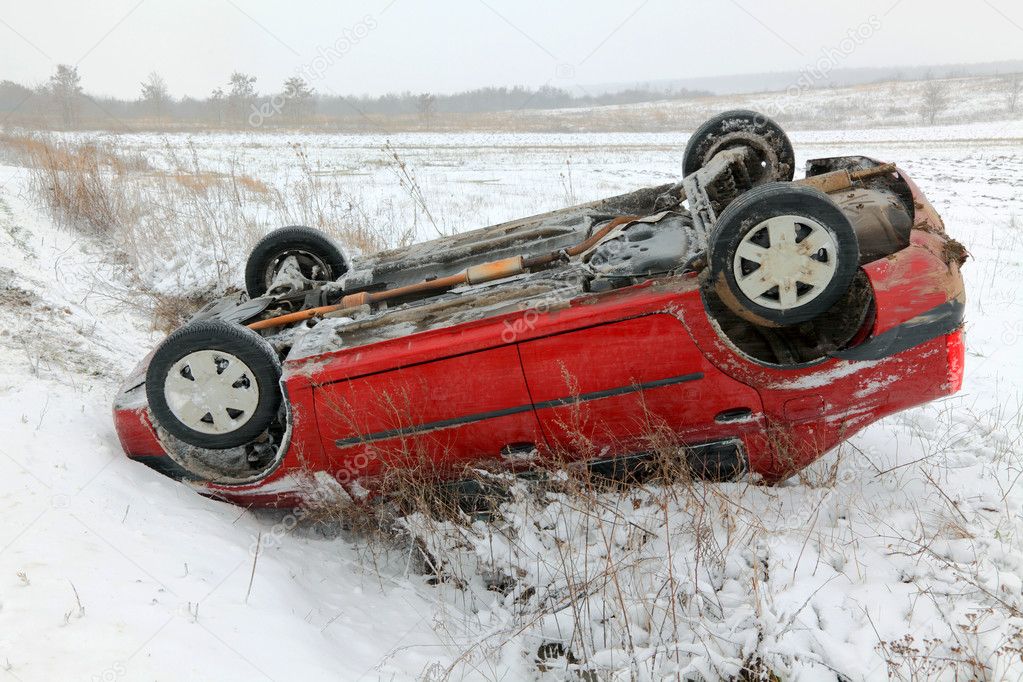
pixel 77 181
pixel 195 182
pixel 170 312
pixel 251 184
pixel 183 230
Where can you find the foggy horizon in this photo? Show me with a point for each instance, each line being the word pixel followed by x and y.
pixel 719 84
pixel 392 46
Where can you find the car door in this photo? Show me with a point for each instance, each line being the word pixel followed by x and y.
pixel 617 388
pixel 441 414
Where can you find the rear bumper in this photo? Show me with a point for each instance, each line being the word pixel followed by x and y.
pixel 801 427
pixel 944 319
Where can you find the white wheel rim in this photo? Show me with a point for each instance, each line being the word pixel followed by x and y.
pixel 785 261
pixel 211 392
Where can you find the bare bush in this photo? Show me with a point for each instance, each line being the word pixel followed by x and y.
pixel 155 97
pixel 1013 87
pixel 933 102
pixel 65 87
pixel 78 181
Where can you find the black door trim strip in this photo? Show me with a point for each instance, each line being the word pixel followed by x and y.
pixel 480 416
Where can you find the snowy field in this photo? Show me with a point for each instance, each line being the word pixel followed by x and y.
pixel 809 105
pixel 900 554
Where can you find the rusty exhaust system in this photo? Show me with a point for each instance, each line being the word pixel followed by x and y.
pixel 477 274
pixel 839 180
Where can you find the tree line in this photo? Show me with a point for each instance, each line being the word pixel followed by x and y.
pixel 62 102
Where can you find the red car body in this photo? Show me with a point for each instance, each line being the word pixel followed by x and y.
pixel 594 378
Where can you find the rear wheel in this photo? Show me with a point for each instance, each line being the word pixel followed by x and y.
pixel 214 385
pixel 770 145
pixel 316 256
pixel 782 254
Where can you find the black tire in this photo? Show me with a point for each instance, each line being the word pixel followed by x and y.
pixel 808 212
pixel 743 128
pixel 321 258
pixel 262 374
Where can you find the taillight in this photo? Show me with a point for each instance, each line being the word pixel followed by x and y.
pixel 955 347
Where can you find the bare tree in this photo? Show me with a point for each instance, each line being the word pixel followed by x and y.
pixel 65 87
pixel 217 103
pixel 1013 86
pixel 933 102
pixel 425 104
pixel 241 95
pixel 13 95
pixel 155 96
pixel 298 97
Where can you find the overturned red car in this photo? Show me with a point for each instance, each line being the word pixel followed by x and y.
pixel 750 321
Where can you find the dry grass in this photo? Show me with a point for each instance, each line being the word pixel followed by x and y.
pixel 77 181
pixel 581 564
pixel 170 312
pixel 569 554
pixel 593 578
pixel 182 230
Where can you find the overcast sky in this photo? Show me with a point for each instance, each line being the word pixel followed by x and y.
pixel 393 45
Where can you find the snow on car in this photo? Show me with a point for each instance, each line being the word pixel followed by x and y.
pixel 754 320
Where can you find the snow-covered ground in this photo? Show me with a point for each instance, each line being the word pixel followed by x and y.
pixel 809 104
pixel 109 571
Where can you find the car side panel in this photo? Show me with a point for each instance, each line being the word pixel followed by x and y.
pixel 620 388
pixel 442 415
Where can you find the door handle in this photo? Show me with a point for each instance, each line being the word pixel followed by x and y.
pixel 733 415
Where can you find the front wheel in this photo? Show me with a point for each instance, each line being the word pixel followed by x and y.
pixel 782 254
pixel 214 385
